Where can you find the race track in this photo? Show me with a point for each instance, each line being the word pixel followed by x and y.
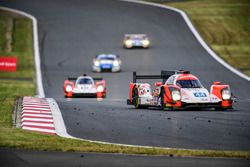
pixel 71 33
pixel 17 158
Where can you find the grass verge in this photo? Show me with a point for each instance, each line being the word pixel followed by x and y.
pixel 224 25
pixel 22 139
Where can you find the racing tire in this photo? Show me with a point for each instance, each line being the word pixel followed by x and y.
pixel 135 99
pixel 162 98
pixel 133 95
pixel 137 105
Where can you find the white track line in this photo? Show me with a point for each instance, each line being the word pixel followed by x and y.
pixel 36 115
pixel 35 111
pixel 37 108
pixel 36 104
pixel 58 120
pixel 37 119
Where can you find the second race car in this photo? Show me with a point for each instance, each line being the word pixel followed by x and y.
pixel 178 90
pixel 84 86
pixel 107 62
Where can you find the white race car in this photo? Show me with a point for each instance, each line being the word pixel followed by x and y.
pixel 84 86
pixel 180 90
pixel 107 62
pixel 135 40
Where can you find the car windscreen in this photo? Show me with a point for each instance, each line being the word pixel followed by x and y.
pixel 107 58
pixel 137 38
pixel 84 81
pixel 188 84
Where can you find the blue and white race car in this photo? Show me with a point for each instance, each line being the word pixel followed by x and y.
pixel 107 63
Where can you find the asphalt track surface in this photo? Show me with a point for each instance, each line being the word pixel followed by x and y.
pixel 71 33
pixel 17 158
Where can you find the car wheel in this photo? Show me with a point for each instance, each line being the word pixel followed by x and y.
pixel 135 99
pixel 137 105
pixel 162 98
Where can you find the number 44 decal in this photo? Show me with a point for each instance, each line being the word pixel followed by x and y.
pixel 200 94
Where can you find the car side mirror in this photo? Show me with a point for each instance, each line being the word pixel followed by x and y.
pixel 158 83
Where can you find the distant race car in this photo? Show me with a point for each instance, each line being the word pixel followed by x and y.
pixel 180 90
pixel 107 62
pixel 84 86
pixel 136 40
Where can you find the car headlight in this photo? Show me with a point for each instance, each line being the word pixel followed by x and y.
pixel 116 63
pixel 100 88
pixel 226 94
pixel 96 63
pixel 145 42
pixel 176 95
pixel 69 88
pixel 128 42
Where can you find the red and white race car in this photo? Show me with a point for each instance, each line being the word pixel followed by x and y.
pixel 180 90
pixel 84 86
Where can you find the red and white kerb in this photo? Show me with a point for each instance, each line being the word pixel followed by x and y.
pixel 37 115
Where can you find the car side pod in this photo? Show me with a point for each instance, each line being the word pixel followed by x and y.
pixel 168 99
pixel 101 89
pixel 222 91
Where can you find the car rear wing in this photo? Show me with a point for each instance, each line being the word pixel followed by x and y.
pixel 127 35
pixel 94 78
pixel 165 74
pixel 135 36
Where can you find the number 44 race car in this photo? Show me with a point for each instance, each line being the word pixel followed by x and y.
pixel 181 90
pixel 84 86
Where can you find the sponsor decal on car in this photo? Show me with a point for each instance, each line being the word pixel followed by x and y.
pixel 106 66
pixel 200 94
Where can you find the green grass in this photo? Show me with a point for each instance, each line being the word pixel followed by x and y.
pixel 21 139
pixel 3 23
pixel 225 26
pixel 21 46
